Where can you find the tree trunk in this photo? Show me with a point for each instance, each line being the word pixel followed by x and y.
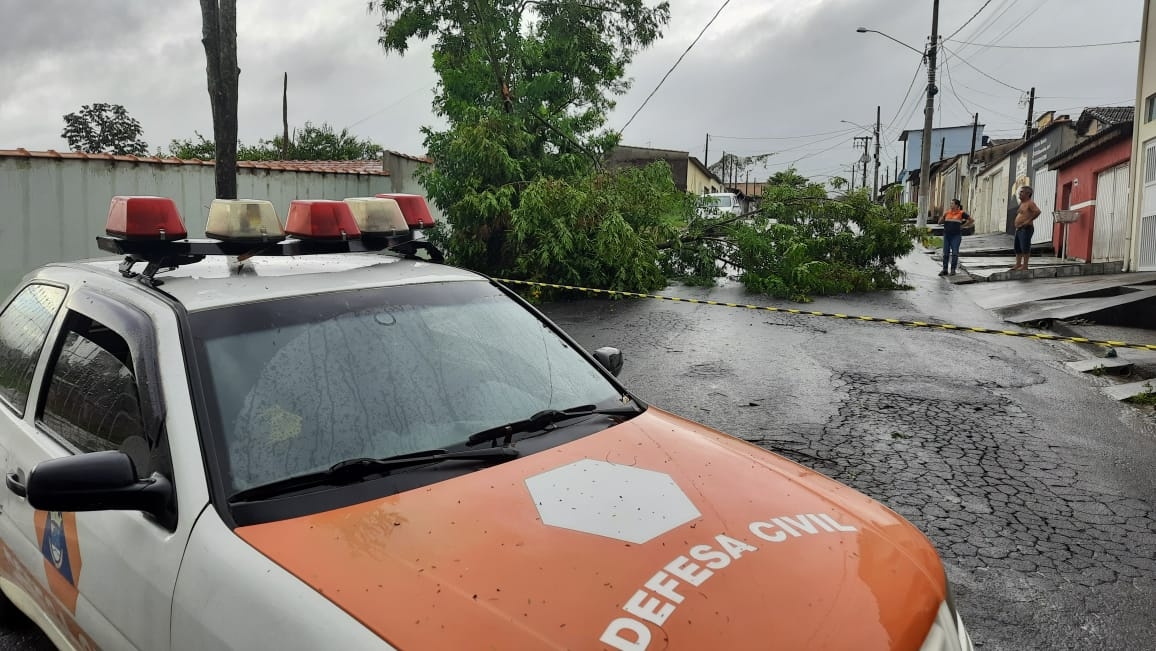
pixel 219 36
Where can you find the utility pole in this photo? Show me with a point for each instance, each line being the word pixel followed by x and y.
pixel 928 116
pixel 864 159
pixel 971 156
pixel 878 123
pixel 1030 127
pixel 285 119
pixel 706 152
pixel 896 179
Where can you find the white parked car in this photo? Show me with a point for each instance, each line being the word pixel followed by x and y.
pixel 720 202
pixel 253 442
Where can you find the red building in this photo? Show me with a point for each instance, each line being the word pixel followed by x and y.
pixel 1092 178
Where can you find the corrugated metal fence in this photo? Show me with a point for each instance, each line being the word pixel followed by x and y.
pixel 52 209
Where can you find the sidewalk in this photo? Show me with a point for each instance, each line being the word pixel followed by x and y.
pixel 989 257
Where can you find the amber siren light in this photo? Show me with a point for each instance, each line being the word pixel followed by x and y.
pixel 145 218
pixel 244 220
pixel 375 216
pixel 322 220
pixel 414 207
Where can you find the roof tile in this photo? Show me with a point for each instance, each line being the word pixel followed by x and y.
pixel 373 167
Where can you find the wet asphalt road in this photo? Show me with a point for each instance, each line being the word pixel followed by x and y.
pixel 1038 491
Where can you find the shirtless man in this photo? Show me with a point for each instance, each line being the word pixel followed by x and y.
pixel 1025 217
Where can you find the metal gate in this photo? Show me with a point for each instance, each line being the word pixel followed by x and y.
pixel 1111 221
pixel 1044 194
pixel 1146 255
pixel 998 214
pixel 981 206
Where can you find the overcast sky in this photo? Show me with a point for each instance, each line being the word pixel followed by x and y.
pixel 765 69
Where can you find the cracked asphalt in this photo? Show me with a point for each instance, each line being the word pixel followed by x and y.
pixel 1036 489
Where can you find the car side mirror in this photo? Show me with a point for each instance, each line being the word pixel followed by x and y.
pixel 100 481
pixel 610 359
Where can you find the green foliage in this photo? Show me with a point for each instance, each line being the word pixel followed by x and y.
pixel 104 128
pixel 801 243
pixel 602 229
pixel 1148 397
pixel 308 143
pixel 525 88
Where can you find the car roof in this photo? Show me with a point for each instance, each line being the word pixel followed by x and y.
pixel 215 282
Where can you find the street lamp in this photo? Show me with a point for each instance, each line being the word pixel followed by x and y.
pixel 864 30
pixel 928 111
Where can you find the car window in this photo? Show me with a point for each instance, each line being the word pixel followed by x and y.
pixel 721 201
pixel 92 402
pixel 303 383
pixel 24 326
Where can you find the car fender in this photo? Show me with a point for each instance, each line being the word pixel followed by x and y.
pixel 230 596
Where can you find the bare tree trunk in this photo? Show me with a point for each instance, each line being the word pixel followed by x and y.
pixel 285 119
pixel 219 36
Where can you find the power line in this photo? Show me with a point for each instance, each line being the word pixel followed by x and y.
pixel 680 58
pixel 993 17
pixel 951 85
pixel 809 135
pixel 1045 47
pixel 902 103
pixel 1015 24
pixel 968 21
pixel 965 62
pixel 389 106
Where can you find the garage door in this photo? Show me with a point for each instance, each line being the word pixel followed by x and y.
pixel 1044 193
pixel 1146 260
pixel 1111 221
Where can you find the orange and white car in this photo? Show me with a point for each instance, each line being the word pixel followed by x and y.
pixel 322 437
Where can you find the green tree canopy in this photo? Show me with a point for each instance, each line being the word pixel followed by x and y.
pixel 311 142
pixel 104 128
pixel 525 87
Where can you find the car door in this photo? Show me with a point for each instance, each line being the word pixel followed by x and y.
pixel 25 323
pixel 111 572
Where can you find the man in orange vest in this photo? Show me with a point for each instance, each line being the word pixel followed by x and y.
pixel 954 221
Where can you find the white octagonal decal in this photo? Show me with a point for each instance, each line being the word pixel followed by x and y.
pixel 611 500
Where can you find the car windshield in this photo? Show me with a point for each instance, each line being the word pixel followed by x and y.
pixel 714 201
pixel 297 385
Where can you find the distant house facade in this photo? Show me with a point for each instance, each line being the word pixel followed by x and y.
pixel 1029 168
pixel 679 161
pixel 1092 179
pixel 985 187
pixel 700 180
pixel 1140 250
pixel 946 142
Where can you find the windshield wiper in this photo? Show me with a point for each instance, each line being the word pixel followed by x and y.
pixel 354 470
pixel 544 419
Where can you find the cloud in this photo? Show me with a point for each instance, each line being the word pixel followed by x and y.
pixel 771 68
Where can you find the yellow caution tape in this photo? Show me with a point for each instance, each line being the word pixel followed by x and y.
pixel 835 315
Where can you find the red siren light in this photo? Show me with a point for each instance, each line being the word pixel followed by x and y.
pixel 414 207
pixel 321 219
pixel 145 218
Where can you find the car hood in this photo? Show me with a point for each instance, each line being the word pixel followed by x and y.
pixel 656 532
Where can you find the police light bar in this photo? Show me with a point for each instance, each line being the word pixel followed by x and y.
pixel 414 207
pixel 145 218
pixel 244 220
pixel 377 217
pixel 320 219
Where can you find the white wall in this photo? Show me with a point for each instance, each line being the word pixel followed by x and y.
pixel 53 209
pixel 402 170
